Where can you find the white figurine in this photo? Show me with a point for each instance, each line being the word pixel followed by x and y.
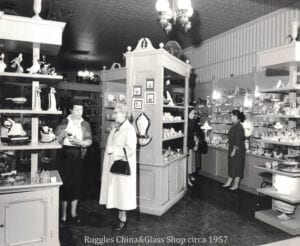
pixel 37 99
pixel 52 99
pixel 35 68
pixel 2 63
pixel 47 135
pixel 16 63
pixel 169 98
pixel 44 66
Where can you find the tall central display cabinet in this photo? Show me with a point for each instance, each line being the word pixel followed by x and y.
pixel 161 124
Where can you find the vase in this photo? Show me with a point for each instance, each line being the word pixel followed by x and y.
pixel 37 7
pixel 295 26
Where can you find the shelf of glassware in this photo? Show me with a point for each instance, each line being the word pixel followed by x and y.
pixel 292 144
pixel 285 90
pixel 28 78
pixel 38 146
pixel 29 112
pixel 174 122
pixel 277 171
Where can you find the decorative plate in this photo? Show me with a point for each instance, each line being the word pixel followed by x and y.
pixel 110 98
pixel 122 98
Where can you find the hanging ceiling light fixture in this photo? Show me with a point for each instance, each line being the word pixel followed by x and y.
pixel 180 12
pixel 85 74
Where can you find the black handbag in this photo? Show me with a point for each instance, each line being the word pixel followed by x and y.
pixel 120 166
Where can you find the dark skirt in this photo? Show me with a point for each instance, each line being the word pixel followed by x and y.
pixel 236 164
pixel 70 167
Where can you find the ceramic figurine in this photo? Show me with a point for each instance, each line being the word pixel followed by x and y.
pixel 2 63
pixel 37 99
pixel 47 135
pixel 16 129
pixel 35 68
pixel 170 99
pixel 52 99
pixel 16 63
pixel 44 66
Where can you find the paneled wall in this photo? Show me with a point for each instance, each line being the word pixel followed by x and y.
pixel 234 52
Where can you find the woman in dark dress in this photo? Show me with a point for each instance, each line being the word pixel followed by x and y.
pixel 195 142
pixel 236 151
pixel 74 133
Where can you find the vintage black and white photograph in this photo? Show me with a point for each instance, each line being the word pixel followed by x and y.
pixel 149 97
pixel 150 84
pixel 137 104
pixel 158 122
pixel 137 90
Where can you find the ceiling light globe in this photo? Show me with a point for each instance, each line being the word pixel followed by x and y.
pixel 163 21
pixel 190 12
pixel 80 73
pixel 86 73
pixel 184 20
pixel 184 4
pixel 162 5
pixel 169 14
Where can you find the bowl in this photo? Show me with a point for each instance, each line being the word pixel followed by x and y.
pixel 17 100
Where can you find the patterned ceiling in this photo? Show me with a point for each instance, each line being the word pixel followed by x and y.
pixel 104 28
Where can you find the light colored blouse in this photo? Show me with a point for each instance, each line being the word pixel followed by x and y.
pixel 73 128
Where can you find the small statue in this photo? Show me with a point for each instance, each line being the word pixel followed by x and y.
pixel 47 135
pixel 2 63
pixel 37 99
pixel 44 66
pixel 16 63
pixel 169 98
pixel 15 129
pixel 35 68
pixel 52 99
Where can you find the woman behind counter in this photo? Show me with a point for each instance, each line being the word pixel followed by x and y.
pixel 236 150
pixel 74 133
pixel 119 191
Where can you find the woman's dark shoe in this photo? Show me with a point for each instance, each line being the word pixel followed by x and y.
pixel 119 226
pixel 62 223
pixel 75 220
pixel 192 178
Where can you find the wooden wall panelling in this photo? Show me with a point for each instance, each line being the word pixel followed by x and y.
pixel 234 52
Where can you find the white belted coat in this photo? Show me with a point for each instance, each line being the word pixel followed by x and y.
pixel 119 191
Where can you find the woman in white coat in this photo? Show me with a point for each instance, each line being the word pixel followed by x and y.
pixel 119 191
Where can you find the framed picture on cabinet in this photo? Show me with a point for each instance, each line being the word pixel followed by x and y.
pixel 137 104
pixel 150 97
pixel 149 84
pixel 137 90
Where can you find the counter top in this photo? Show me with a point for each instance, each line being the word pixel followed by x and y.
pixel 28 185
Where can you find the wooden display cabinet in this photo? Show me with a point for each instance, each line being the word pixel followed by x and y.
pixel 29 209
pixel 162 152
pixel 285 186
